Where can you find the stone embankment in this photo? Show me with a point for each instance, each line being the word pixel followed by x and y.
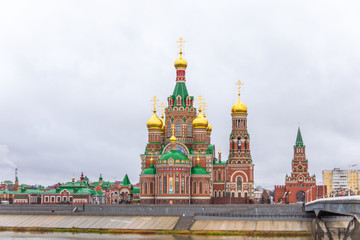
pixel 258 218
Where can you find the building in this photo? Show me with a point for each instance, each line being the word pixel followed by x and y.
pixel 341 182
pixel 179 165
pixel 299 186
pixel 124 192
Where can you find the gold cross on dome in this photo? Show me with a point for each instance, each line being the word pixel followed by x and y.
pixel 204 106
pixel 200 99
pixel 154 100
pixel 239 83
pixel 181 43
pixel 162 106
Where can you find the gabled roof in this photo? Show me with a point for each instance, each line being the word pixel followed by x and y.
pixel 299 140
pixel 126 181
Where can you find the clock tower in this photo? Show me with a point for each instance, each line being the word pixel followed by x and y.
pixel 299 183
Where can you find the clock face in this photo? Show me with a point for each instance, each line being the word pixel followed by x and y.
pixel 300 167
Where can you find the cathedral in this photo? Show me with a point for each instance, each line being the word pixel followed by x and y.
pixel 180 166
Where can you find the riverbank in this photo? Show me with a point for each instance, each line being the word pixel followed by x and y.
pixel 161 232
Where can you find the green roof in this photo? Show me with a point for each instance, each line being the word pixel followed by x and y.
pixel 126 181
pixel 180 90
pixel 150 170
pixel 174 155
pixel 299 140
pixel 210 149
pixel 135 190
pixel 198 170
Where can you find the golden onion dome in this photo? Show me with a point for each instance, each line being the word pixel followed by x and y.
pixel 154 122
pixel 200 121
pixel 180 62
pixel 239 107
pixel 173 139
pixel 209 128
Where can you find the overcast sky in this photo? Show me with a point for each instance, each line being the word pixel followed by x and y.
pixel 76 79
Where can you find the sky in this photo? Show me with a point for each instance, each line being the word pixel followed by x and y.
pixel 76 79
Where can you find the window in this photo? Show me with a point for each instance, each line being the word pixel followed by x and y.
pixel 177 188
pixel 206 186
pixel 194 188
pixel 145 188
pixel 160 185
pixel 165 185
pixel 70 199
pixel 169 130
pixel 178 129
pixel 187 185
pixel 178 101
pixel 239 182
pixel 189 129
pixel 245 144
pixel 200 188
pixel 52 199
pixel 151 187
pixel 239 143
pixel 182 185
pixel 46 199
pixel 58 199
pixel 64 199
pixel 219 176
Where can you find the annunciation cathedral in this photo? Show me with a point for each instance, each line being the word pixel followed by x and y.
pixel 179 165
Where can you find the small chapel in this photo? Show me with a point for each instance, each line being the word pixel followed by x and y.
pixel 180 164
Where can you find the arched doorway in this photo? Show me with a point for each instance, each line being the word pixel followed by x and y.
pixel 300 197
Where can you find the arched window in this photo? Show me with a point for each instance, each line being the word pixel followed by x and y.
pixel 165 185
pixel 177 185
pixel 145 188
pixel 200 188
pixel 178 129
pixel 187 185
pixel 160 185
pixel 239 182
pixel 189 129
pixel 194 188
pixel 178 101
pixel 151 187
pixel 219 176
pixel 182 185
pixel 239 143
pixel 245 144
pixel 206 186
pixel 169 130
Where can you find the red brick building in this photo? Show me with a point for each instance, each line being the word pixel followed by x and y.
pixel 299 186
pixel 179 165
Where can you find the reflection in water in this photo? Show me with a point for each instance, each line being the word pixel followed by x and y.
pixel 80 236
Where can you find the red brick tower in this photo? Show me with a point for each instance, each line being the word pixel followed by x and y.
pixel 299 182
pixel 240 169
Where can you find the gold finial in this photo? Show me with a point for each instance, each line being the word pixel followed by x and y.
pixel 173 138
pixel 204 107
pixel 198 158
pixel 239 83
pixel 181 44
pixel 200 99
pixel 219 151
pixel 162 106
pixel 154 100
pixel 151 158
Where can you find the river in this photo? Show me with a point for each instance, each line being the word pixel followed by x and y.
pixel 81 236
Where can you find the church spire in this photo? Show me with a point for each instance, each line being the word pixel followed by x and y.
pixel 299 140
